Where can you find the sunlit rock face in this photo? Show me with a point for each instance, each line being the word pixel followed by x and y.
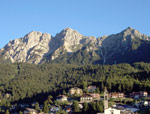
pixel 37 47
pixel 30 48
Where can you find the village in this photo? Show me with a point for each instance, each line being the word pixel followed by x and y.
pixel 113 102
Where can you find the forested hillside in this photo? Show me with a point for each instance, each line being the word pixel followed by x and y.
pixel 27 80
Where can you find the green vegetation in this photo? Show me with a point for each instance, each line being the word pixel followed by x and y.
pixel 85 107
pixel 37 107
pixel 75 106
pixel 136 42
pixel 146 111
pixel 27 80
pixel 46 107
pixel 34 83
pixel 7 112
pixel 61 112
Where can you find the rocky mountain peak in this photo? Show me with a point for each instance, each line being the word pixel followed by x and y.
pixel 68 32
pixel 31 48
pixel 128 31
pixel 68 29
pixel 68 40
pixel 131 31
pixel 33 33
pixel 36 34
pixel 37 47
pixel 35 37
pixel 129 28
pixel 69 36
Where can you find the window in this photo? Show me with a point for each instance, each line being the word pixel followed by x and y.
pixel 105 97
pixel 111 112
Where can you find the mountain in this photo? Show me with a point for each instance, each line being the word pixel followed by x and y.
pixel 69 46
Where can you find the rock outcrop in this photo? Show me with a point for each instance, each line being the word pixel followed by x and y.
pixel 69 45
pixel 30 48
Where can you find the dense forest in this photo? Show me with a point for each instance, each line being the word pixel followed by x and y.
pixel 20 81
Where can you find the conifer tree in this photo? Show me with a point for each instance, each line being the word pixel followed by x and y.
pixel 37 107
pixel 7 112
pixel 75 106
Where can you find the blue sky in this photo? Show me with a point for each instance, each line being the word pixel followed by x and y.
pixel 89 17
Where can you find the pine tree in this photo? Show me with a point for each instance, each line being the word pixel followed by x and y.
pixel 97 90
pixel 20 112
pixel 61 112
pixel 99 106
pixel 75 106
pixel 84 85
pixel 102 86
pixel 64 92
pixel 50 99
pixel 7 112
pixel 85 106
pixel 45 107
pixel 37 107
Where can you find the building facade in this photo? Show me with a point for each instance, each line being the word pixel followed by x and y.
pixel 86 98
pixel 139 94
pixel 91 88
pixel 111 111
pixel 105 99
pixel 75 91
pixel 116 95
pixel 62 98
pixel 95 96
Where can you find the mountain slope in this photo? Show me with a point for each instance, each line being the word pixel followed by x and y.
pixel 30 48
pixel 69 46
pixel 124 46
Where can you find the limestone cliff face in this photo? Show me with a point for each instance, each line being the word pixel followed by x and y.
pixel 69 41
pixel 37 47
pixel 30 48
pixel 118 44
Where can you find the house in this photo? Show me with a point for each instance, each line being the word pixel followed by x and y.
pixel 127 108
pixel 13 107
pixel 145 103
pixel 91 88
pixel 41 113
pixel 80 105
pixel 75 91
pixel 23 105
pixel 95 96
pixel 7 95
pixel 111 111
pixel 117 109
pixel 127 112
pixel 62 98
pixel 116 95
pixel 33 104
pixel 68 109
pixel 14 113
pixel 54 109
pixel 30 111
pixel 86 98
pixel 137 95
pixel 120 110
pixel 132 109
pixel 51 113
pixel 143 94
